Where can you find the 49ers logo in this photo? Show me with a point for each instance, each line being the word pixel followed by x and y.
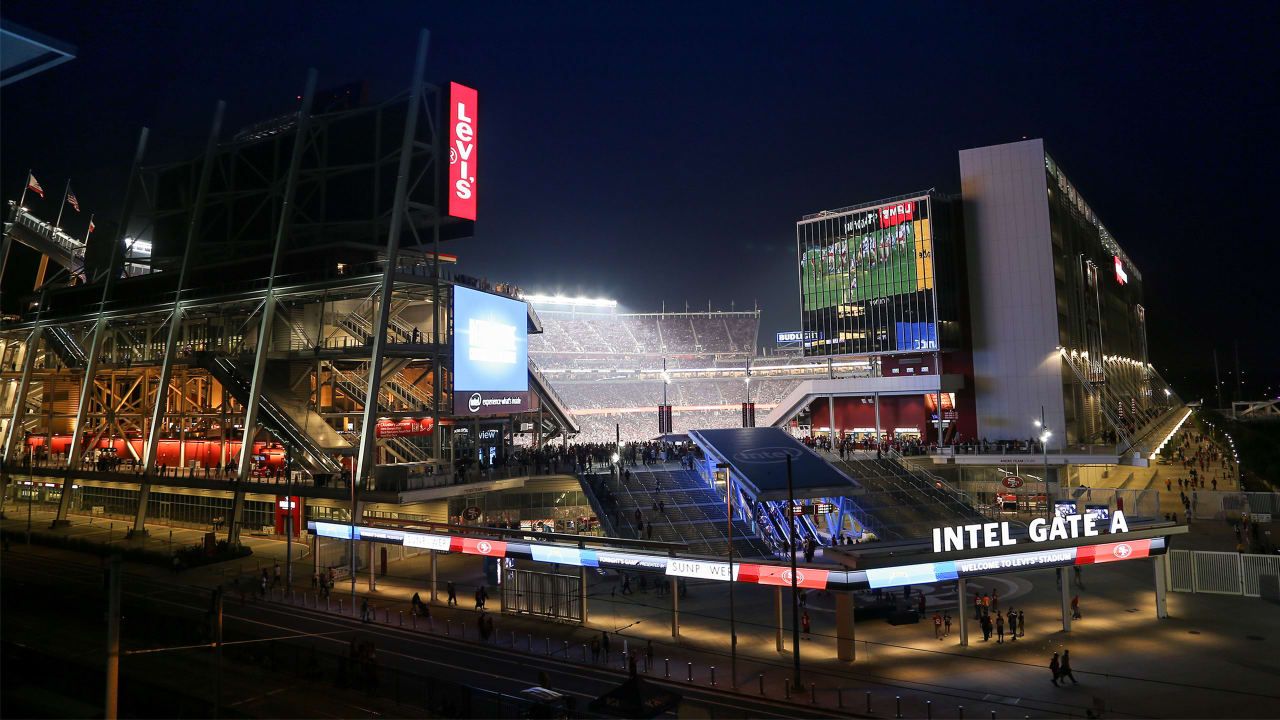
pixel 1122 551
pixel 485 547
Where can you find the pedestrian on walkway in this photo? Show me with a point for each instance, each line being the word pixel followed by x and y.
pixel 999 627
pixel 995 598
pixel 595 650
pixel 920 603
pixel 484 596
pixel 1065 669
pixel 1022 623
pixel 479 600
pixel 804 623
pixel 626 584
pixel 977 607
pixel 604 645
pixel 453 594
pixel 986 627
pixel 946 621
pixel 1075 607
pixel 1013 626
pixel 364 610
pixel 937 626
pixel 1055 667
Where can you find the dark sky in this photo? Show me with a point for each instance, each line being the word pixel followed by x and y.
pixel 653 152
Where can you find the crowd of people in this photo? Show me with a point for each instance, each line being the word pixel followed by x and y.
pixel 622 334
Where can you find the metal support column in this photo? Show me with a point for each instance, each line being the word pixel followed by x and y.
pixel 76 449
pixel 175 323
pixel 1162 608
pixel 876 396
pixel 365 460
pixel 237 513
pixel 269 300
pixel 845 641
pixel 20 399
pixel 777 615
pixel 1066 598
pixel 675 608
pixel 962 614
pixel 831 421
pixel 434 585
pixel 373 566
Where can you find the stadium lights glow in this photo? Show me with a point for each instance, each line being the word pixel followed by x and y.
pixel 566 300
pixel 1168 437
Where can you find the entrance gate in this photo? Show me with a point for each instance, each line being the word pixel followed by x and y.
pixel 556 597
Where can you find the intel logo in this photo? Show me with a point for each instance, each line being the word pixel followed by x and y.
pixel 473 402
pixel 769 454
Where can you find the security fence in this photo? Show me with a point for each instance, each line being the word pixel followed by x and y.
pixel 546 595
pixel 1223 573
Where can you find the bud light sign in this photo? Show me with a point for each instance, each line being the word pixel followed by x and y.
pixel 462 151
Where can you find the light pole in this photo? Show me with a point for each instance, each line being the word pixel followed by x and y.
pixel 795 600
pixel 1045 434
pixel 733 630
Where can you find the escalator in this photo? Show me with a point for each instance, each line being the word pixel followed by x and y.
pixel 314 457
pixel 66 347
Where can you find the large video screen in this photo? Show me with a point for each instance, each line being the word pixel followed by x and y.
pixel 874 253
pixel 490 353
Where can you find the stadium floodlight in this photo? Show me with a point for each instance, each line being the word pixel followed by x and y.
pixel 1036 423
pixel 1044 437
pixel 615 457
pixel 566 300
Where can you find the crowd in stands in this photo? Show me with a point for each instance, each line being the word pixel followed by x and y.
pixel 848 444
pixel 622 334
pixel 509 289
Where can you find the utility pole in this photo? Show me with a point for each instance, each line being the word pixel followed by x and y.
pixel 733 629
pixel 113 638
pixel 795 598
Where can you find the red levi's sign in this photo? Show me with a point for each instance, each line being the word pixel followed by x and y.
pixel 407 427
pixel 462 151
pixel 472 546
pixel 777 575
pixel 1111 552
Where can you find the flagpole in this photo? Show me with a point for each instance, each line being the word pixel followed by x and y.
pixel 23 200
pixel 58 223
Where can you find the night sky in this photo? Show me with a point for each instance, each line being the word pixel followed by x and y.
pixel 652 152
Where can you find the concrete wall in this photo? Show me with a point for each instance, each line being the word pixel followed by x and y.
pixel 1011 290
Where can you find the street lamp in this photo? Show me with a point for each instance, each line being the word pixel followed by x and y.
pixel 1045 434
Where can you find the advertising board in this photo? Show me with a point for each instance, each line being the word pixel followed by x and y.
pixel 462 151
pixel 874 253
pixel 490 353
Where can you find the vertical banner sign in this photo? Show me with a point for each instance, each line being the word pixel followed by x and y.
pixel 462 151
pixel 662 416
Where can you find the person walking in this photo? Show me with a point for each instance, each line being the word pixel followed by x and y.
pixel 1013 626
pixel 999 627
pixel 946 621
pixel 1055 667
pixel 453 593
pixel 804 623
pixel 920 603
pixel 364 610
pixel 1064 670
pixel 479 601
pixel 595 650
pixel 986 627
pixel 1022 623
pixel 604 645
pixel 937 626
pixel 995 599
pixel 1075 607
pixel 977 607
pixel 626 584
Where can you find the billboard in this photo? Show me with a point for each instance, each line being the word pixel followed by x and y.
pixel 404 427
pixel 462 151
pixel 490 353
pixel 874 253
pixel 917 336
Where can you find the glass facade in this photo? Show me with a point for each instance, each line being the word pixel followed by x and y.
pixel 879 278
pixel 1101 320
pixel 563 509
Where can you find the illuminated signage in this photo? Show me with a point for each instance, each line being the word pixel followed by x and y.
pixel 1121 276
pixel 473 546
pixel 698 569
pixel 490 353
pixel 462 151
pixel 564 555
pixel 407 427
pixel 775 575
pixel 792 336
pixel 983 535
pixel 1013 482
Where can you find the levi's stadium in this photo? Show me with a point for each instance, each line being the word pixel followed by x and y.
pixel 317 363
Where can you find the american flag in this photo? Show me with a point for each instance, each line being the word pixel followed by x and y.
pixel 33 184
pixel 71 198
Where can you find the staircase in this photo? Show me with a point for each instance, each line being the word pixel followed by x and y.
pixel 65 346
pixel 313 456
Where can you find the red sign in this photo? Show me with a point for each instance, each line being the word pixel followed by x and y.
pixel 472 546
pixel 778 575
pixel 284 506
pixel 404 428
pixel 1121 276
pixel 1012 482
pixel 462 151
pixel 891 215
pixel 1111 552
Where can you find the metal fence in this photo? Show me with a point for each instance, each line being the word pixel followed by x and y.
pixel 556 597
pixel 1217 505
pixel 1222 573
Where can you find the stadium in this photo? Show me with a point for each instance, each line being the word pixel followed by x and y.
pixel 291 360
